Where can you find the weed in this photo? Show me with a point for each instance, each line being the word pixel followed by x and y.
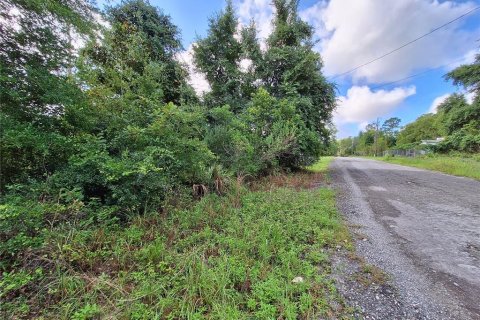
pixel 455 165
pixel 228 256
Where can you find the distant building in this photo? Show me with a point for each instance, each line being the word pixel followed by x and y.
pixel 432 142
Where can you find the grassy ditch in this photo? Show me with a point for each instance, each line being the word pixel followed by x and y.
pixel 258 252
pixel 455 165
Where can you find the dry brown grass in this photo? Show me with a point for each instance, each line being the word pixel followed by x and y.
pixel 299 181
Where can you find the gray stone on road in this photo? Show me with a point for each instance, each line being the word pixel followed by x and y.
pixel 422 228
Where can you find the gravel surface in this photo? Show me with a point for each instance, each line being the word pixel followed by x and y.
pixel 422 228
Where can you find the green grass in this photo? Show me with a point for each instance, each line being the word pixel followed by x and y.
pixel 458 166
pixel 321 165
pixel 225 257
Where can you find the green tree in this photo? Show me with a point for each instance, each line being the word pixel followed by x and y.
pixel 291 68
pixel 424 127
pixel 390 128
pixel 218 56
pixel 457 113
pixel 36 52
pixel 347 146
pixel 146 140
pixel 467 76
pixel 133 69
pixel 40 102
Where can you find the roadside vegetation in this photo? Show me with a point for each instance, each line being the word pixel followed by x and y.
pixel 455 165
pixel 260 250
pixel 126 195
pixel 456 120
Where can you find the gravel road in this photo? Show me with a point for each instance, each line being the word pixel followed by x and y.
pixel 422 228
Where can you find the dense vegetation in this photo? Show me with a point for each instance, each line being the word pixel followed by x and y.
pixel 456 120
pixel 455 164
pixel 373 140
pixel 106 149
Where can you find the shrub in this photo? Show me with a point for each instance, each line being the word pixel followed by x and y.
pixel 29 153
pixel 140 173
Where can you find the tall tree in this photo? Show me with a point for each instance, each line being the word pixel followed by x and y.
pixel 390 128
pixel 218 56
pixel 36 51
pixel 467 76
pixel 133 69
pixel 291 68
pixel 424 127
pixel 39 100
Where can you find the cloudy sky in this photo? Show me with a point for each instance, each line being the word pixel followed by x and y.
pixel 353 32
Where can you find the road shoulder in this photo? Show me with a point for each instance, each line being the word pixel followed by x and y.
pixel 407 291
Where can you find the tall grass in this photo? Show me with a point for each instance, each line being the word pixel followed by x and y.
pixel 455 165
pixel 321 165
pixel 226 257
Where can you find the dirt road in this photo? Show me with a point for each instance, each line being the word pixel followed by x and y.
pixel 422 228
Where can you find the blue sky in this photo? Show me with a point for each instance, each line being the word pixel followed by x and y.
pixel 351 33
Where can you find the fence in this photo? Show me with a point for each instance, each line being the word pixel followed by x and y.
pixel 405 153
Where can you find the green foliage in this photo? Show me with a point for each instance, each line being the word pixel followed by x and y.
pixel 231 141
pixel 467 76
pixel 36 91
pixel 151 163
pixel 35 56
pixel 29 152
pixel 218 57
pixel 133 71
pixel 289 71
pixel 215 260
pixel 372 141
pixel 390 130
pixel 102 147
pixel 89 311
pixel 463 165
pixel 456 120
pixel 425 127
pixel 290 68
pixel 284 138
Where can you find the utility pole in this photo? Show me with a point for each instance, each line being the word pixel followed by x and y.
pixel 375 138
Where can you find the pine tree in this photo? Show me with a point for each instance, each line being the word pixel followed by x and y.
pixel 292 69
pixel 218 56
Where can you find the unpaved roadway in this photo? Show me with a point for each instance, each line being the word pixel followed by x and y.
pixel 422 228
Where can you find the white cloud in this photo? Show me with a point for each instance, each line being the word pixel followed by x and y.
pixel 314 16
pixel 436 102
pixel 468 58
pixel 361 105
pixel 196 79
pixel 260 11
pixel 469 96
pixel 354 32
pixel 245 65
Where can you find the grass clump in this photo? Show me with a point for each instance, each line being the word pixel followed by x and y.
pixel 226 257
pixel 321 165
pixel 454 165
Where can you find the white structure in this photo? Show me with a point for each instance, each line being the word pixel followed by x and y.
pixel 432 142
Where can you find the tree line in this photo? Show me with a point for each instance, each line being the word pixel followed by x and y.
pixel 456 120
pixel 115 127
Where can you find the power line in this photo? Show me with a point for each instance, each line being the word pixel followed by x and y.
pixel 406 44
pixel 417 74
pixel 406 78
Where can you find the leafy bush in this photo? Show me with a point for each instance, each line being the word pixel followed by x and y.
pixel 140 173
pixel 28 152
